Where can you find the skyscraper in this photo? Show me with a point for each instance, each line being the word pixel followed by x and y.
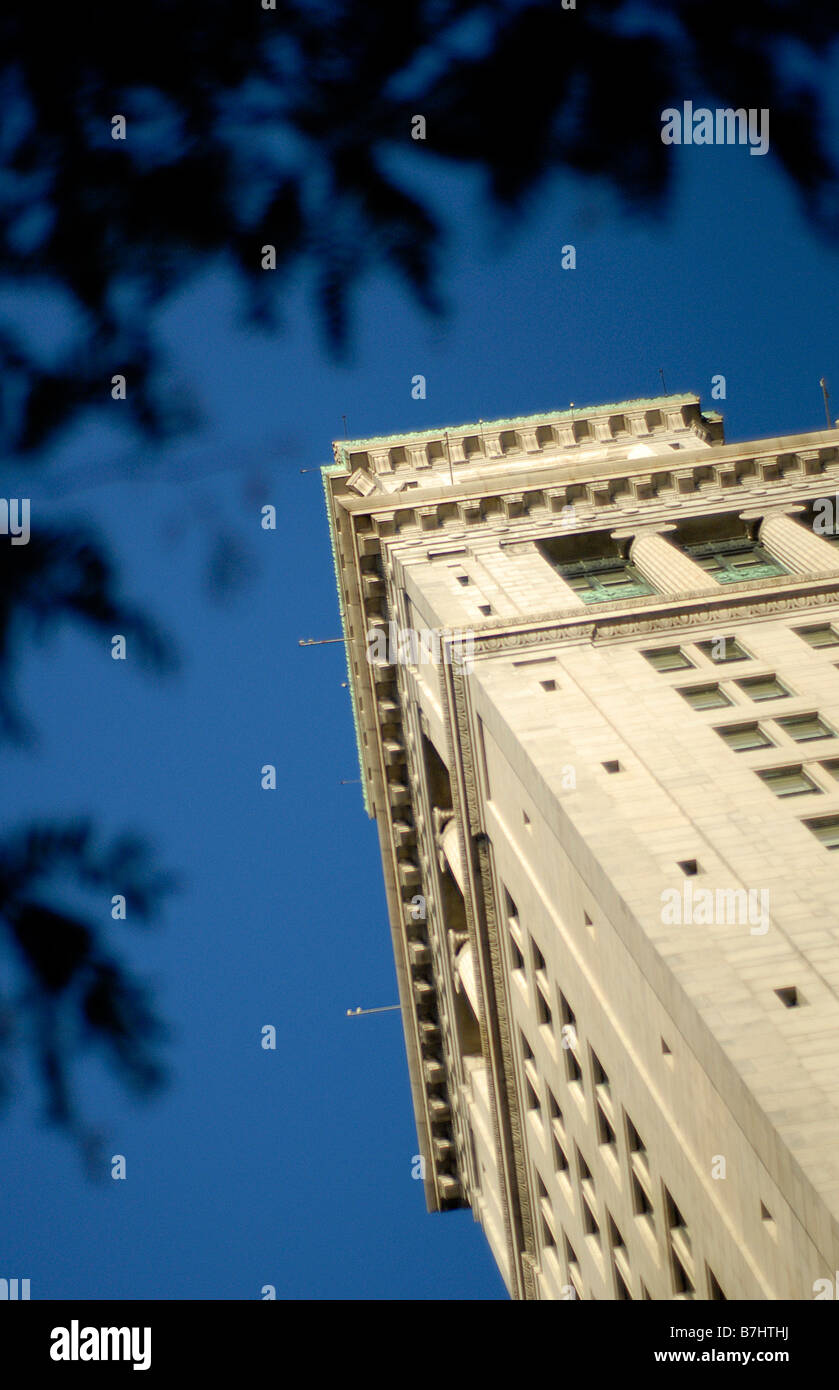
pixel 594 661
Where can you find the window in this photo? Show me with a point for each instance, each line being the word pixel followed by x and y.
pixel 826 830
pixel 590 1225
pixel 588 1200
pixel 705 697
pixel 543 1009
pixel 805 727
pixel 832 767
pixel 560 1160
pixel 668 659
pixel 681 1279
pixel 744 737
pixel 597 581
pixel 763 688
pixel 531 1098
pixel 620 1263
pixel 639 1175
pixel 714 1290
pixel 598 1072
pixel 605 1133
pixel 822 635
pixel 640 1201
pixel 768 1221
pixel 635 1143
pixel 603 1109
pixel 514 933
pixel 676 1223
pixel 572 1068
pixel 672 1212
pixel 573 1071
pixel 731 561
pixel 723 649
pixel 788 781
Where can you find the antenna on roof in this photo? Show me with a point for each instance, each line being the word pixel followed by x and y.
pixel 317 641
pixel 663 383
pixel 385 1008
pixel 823 385
pixel 344 418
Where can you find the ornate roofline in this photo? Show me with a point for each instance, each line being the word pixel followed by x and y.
pixel 577 414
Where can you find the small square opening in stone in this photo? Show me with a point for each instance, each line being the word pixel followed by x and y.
pixel 789 997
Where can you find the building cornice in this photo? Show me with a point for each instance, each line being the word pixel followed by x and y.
pixel 628 416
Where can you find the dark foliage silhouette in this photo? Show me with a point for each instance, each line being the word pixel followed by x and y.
pixel 68 990
pixel 249 127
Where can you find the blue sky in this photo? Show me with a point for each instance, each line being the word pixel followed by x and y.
pixel 293 1167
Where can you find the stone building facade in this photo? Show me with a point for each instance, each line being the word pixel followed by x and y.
pixel 607 800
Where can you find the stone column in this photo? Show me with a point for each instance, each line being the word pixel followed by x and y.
pixel 796 546
pixel 666 567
